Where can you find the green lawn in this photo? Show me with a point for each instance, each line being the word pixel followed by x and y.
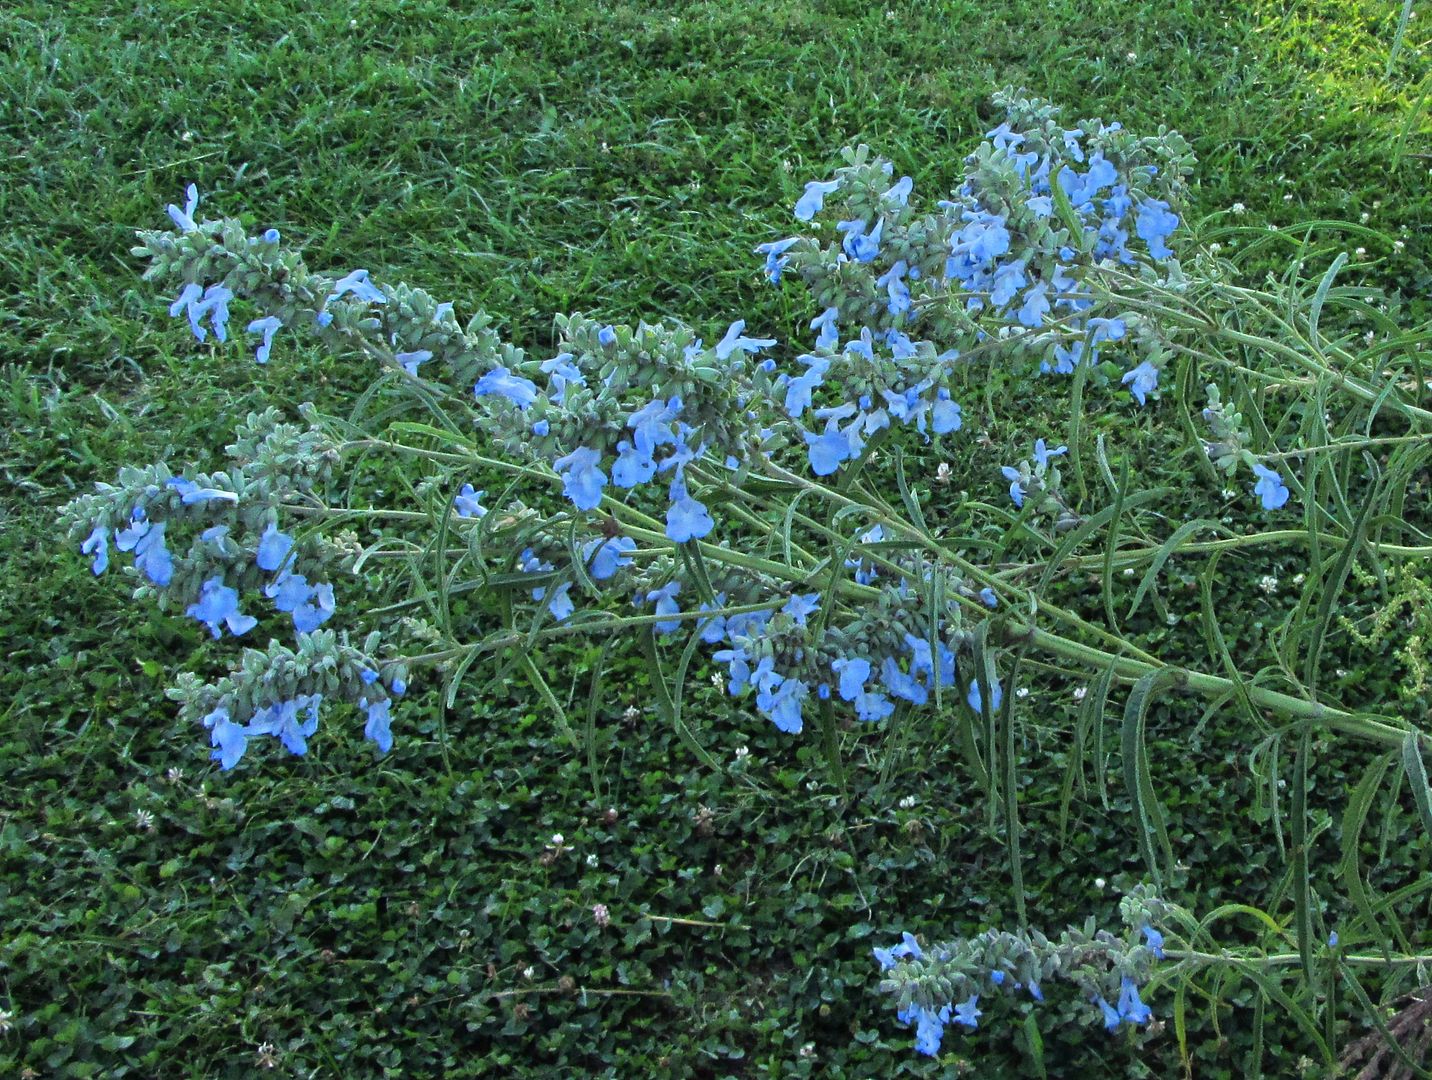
pixel 358 914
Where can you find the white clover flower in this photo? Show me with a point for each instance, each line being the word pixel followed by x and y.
pixel 942 473
pixel 558 839
pixel 600 915
pixel 174 775
pixel 592 860
pixel 1239 208
pixel 631 713
pixel 529 972
pixel 1099 883
pixel 1268 583
pixel 1359 252
pixel 1365 217
pixel 718 680
pixel 742 752
pixel 144 819
pixel 1298 579
pixel 907 802
pixel 1080 693
pixel 7 1021
pixel 1022 692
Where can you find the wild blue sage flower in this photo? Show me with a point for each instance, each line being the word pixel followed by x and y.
pixel 184 219
pixel 976 702
pixel 411 360
pixel 1016 484
pixel 465 503
pixel 945 415
pixel 733 340
pixel 268 327
pixel 968 1013
pixel 1130 1009
pixel 607 336
pixel 609 556
pixel 377 726
pixel 188 302
pixel 146 540
pixel 358 284
pixel 899 192
pixel 229 739
pixel 990 597
pixel 1270 487
pixel 929 1027
pixel 665 600
pixel 219 604
pixel 582 479
pixel 827 323
pixel 271 236
pixel 559 602
pixel 1042 454
pixel 216 304
pixel 828 450
pixel 191 493
pixel 1154 940
pixel 686 518
pixel 273 548
pixel 521 392
pixel 774 252
pixel 1142 381
pixel 310 606
pixel 1153 224
pixel 813 201
pixel 281 720
pixel 97 545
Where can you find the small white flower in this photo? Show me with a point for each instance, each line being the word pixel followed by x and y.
pixel 1369 337
pixel 7 1021
pixel 742 752
pixel 808 1050
pixel 1099 883
pixel 1022 692
pixel 1215 248
pixel 600 915
pixel 1298 579
pixel 1268 583
pixel 718 869
pixel 1341 673
pixel 1288 198
pixel 1398 246
pixel 718 680
pixel 558 839
pixel 144 819
pixel 1128 571
pixel 174 775
pixel 592 860
pixel 266 1056
pixel 942 473
pixel 631 713
pixel 529 972
pixel 1365 217
pixel 1239 208
pixel 907 802
pixel 1080 693
pixel 1360 252
pixel 1229 493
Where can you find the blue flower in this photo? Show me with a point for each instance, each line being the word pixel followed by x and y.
pixel 184 219
pixel 1142 381
pixel 151 555
pixel 97 545
pixel 229 739
pixel 268 327
pixel 358 284
pixel 801 606
pixel 273 548
pixel 632 466
pixel 377 727
pixel 853 673
pixel 665 600
pixel 997 977
pixel 899 192
pixel 968 1013
pixel 611 555
pixel 827 450
pixel 929 1029
pixel 607 336
pixel 1035 306
pixel 733 341
pixel 990 597
pixel 1130 1009
pixel 976 702
pixel 281 720
pixel 521 392
pixel 1269 488
pixel 686 518
pixel 1153 225
pixel 1016 485
pixel 1042 454
pixel 191 493
pixel 582 479
pixel 826 322
pixel 411 360
pixel 1333 940
pixel 782 703
pixel 1155 941
pixel 813 201
pixel 465 503
pixel 220 604
pixel 271 236
pixel 774 253
pixel 945 415
pixel 188 301
pixel 216 304
pixel 559 603
pixel 861 246
pixel 309 605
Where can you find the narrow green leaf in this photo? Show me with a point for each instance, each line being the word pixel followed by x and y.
pixel 1302 886
pixel 1417 778
pixel 1147 811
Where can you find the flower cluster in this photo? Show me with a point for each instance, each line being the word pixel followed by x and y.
pixel 1228 449
pixel 942 984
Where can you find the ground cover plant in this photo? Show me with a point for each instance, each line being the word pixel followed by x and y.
pixel 560 866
